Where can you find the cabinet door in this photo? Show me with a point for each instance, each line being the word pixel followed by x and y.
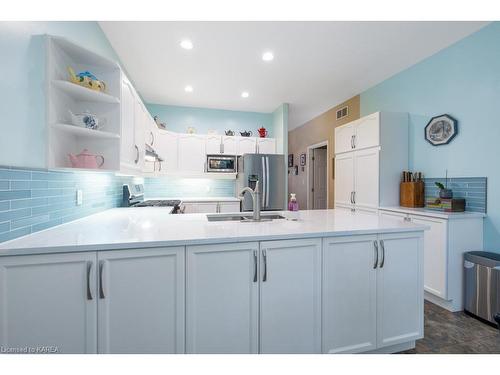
pixel 49 301
pixel 225 207
pixel 213 144
pixel 140 124
pixel 229 145
pixel 222 298
pixel 247 145
pixel 367 132
pixel 151 130
pixel 191 153
pixel 435 255
pixel 141 301
pixel 128 151
pixel 344 178
pixel 266 145
pixel 344 138
pixel 349 294
pixel 400 289
pixel 366 178
pixel 167 148
pixel 290 300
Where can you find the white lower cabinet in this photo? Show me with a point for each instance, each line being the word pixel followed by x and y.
pixel 49 301
pixel 290 296
pixel 349 294
pixel 372 292
pixel 141 301
pixel 228 207
pixel 222 298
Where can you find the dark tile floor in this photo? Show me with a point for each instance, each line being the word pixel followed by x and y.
pixel 455 333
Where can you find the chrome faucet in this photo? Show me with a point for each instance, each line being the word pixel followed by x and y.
pixel 255 200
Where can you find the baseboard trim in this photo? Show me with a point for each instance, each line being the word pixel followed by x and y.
pixel 448 305
pixel 393 348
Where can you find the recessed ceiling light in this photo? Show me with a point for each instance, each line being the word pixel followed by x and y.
pixel 188 88
pixel 268 56
pixel 186 44
pixel 245 94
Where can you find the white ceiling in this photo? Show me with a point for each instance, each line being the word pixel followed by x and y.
pixel 317 65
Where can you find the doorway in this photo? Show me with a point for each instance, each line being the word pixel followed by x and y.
pixel 317 173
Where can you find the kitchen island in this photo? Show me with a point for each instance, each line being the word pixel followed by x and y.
pixel 138 280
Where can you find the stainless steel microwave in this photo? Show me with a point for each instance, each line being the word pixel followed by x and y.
pixel 221 163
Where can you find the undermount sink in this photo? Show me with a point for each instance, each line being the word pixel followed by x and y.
pixel 244 217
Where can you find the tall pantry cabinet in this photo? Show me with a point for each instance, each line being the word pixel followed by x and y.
pixel 370 154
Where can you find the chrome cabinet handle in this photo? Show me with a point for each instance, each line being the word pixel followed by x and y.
pixel 221 148
pixel 375 252
pixel 152 138
pixel 101 288
pixel 264 254
pixel 352 145
pixel 383 253
pixel 354 141
pixel 89 291
pixel 354 197
pixel 255 266
pixel 137 157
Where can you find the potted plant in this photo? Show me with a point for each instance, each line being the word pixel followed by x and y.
pixel 444 192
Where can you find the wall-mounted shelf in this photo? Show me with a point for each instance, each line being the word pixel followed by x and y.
pixel 85 94
pixel 64 97
pixel 76 130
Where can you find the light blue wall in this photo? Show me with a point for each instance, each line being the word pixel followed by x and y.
pixel 178 119
pixel 170 187
pixel 22 86
pixel 463 81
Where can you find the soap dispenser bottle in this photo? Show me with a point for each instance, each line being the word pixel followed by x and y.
pixel 293 207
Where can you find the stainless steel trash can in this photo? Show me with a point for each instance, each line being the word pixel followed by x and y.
pixel 482 285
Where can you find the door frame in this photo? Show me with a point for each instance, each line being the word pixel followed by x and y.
pixel 309 172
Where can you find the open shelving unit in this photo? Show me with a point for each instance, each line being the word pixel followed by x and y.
pixel 63 96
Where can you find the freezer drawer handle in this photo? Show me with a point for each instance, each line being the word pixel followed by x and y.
pixel 375 253
pixel 264 254
pixel 383 253
pixel 255 266
pixel 101 288
pixel 89 291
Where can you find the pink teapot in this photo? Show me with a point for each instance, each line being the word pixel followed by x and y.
pixel 86 160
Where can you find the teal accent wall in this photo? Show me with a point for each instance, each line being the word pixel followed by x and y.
pixel 463 81
pixel 22 86
pixel 178 119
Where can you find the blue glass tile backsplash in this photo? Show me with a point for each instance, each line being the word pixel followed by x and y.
pixel 473 189
pixel 169 187
pixel 32 200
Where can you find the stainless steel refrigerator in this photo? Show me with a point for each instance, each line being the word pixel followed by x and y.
pixel 269 169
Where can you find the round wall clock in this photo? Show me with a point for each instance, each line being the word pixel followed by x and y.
pixel 440 130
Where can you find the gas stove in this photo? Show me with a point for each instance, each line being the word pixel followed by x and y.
pixel 133 196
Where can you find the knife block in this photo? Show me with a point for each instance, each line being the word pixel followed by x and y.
pixel 412 194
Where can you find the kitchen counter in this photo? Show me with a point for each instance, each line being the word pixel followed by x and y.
pixel 133 228
pixel 434 213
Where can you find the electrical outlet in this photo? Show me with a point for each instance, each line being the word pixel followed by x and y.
pixel 79 197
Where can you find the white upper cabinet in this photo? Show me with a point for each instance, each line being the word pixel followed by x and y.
pixel 290 311
pixel 378 146
pixel 247 145
pixel 141 301
pixel 192 154
pixel 344 179
pixel 344 137
pixel 49 300
pixel 152 131
pixel 266 145
pixel 213 144
pixel 366 177
pixel 367 132
pixel 222 303
pixel 129 153
pixel 168 149
pixel 229 145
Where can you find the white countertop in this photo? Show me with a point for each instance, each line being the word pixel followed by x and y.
pixel 125 228
pixel 434 213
